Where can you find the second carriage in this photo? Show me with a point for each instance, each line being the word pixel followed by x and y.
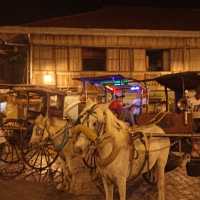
pixel 20 106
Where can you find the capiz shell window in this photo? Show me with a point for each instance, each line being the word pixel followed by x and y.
pixel 94 59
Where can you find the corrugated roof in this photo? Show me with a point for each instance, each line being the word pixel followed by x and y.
pixel 124 17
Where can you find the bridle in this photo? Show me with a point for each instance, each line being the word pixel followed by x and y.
pixel 92 156
pixel 84 119
pixel 63 131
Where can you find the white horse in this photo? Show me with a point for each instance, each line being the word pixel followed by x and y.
pixel 55 129
pixel 117 157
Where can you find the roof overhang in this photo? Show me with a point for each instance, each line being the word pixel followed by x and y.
pixel 99 32
pixel 178 82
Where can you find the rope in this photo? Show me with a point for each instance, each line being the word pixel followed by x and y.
pixel 165 147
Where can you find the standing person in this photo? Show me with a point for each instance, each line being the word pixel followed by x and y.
pixel 194 104
pixel 116 105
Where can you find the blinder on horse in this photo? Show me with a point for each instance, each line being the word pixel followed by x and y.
pixel 84 118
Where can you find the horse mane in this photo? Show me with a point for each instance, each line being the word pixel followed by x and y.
pixel 88 106
pixel 116 123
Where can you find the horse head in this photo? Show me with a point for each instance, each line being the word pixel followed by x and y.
pixel 96 121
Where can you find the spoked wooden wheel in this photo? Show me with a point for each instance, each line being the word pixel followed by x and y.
pixel 150 177
pixel 41 176
pixel 10 153
pixel 14 131
pixel 59 180
pixel 48 176
pixel 40 156
pixel 11 170
pixel 97 179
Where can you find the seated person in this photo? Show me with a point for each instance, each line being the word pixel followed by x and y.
pixel 127 115
pixel 116 105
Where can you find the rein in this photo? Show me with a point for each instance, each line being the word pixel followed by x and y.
pixel 95 158
pixel 61 132
pixel 96 145
pixel 111 157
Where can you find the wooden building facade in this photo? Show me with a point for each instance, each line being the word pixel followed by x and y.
pixel 70 47
pixel 67 57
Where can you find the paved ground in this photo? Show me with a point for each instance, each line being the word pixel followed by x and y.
pixel 179 186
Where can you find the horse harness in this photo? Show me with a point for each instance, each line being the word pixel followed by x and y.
pixel 62 131
pixel 93 149
pixel 134 153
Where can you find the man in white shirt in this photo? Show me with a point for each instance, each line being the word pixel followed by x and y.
pixel 194 105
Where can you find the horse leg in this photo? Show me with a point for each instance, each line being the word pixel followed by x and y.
pixel 108 187
pixel 121 184
pixel 161 163
pixel 69 178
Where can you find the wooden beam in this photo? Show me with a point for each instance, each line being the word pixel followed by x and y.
pixel 95 31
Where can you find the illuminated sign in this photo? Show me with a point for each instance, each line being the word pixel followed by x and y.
pixel 116 82
pixel 135 88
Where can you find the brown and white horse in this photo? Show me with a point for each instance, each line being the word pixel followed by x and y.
pixel 117 157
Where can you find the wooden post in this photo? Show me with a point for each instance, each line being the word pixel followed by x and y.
pixel 147 96
pixel 167 99
pixel 30 62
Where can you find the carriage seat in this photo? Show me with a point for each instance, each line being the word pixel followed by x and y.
pixel 171 123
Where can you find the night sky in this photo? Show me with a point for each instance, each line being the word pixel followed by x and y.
pixel 15 12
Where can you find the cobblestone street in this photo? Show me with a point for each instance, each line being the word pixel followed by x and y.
pixel 179 186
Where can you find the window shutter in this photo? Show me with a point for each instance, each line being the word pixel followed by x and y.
pixel 139 60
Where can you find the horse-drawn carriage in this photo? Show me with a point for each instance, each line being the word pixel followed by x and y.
pixel 115 148
pixel 176 118
pixel 155 134
pixel 24 147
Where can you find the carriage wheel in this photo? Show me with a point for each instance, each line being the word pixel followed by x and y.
pixel 15 133
pixel 175 159
pixel 10 153
pixel 49 177
pixel 10 171
pixel 59 180
pixel 40 156
pixel 97 179
pixel 150 177
pixel 41 176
